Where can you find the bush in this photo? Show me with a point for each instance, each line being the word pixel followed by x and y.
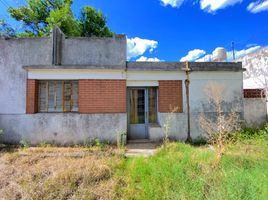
pixel 253 133
pixel 24 143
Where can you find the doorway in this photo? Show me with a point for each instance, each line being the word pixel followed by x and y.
pixel 142 110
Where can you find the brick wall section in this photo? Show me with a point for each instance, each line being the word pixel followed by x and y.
pixel 170 96
pixel 254 93
pixel 32 96
pixel 102 96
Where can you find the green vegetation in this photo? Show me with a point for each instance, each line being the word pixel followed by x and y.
pixel 176 171
pixel 38 17
pixel 181 171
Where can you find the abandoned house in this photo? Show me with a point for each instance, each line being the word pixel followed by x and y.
pixel 71 90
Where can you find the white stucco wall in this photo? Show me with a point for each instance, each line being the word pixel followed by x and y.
pixel 232 81
pixel 13 77
pixel 255 112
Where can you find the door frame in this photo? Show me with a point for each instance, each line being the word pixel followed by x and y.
pixel 145 110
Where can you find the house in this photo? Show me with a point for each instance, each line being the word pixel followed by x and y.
pixel 72 90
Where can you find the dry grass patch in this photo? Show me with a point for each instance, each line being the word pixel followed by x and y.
pixel 59 173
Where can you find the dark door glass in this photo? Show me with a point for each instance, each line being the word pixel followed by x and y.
pixel 137 106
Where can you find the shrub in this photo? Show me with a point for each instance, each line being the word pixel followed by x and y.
pixel 121 139
pixel 220 130
pixel 25 143
pixel 253 133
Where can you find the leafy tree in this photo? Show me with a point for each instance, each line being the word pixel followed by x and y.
pixel 63 17
pixel 34 15
pixel 40 16
pixel 93 23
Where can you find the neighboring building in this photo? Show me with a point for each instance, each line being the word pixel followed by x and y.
pixel 256 65
pixel 72 90
pixel 255 85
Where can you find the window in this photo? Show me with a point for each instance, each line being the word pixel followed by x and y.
pixel 58 96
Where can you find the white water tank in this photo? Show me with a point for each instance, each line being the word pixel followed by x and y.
pixel 219 55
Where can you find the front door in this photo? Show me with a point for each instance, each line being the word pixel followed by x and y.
pixel 137 113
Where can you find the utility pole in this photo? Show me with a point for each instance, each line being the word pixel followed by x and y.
pixel 187 83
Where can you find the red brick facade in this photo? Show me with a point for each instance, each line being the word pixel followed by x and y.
pixel 109 96
pixel 102 96
pixel 254 93
pixel 170 96
pixel 32 96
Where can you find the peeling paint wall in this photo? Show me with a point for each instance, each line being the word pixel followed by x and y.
pixel 60 128
pixel 233 99
pixel 95 51
pixel 14 54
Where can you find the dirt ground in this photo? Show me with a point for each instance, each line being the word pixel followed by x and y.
pixel 58 173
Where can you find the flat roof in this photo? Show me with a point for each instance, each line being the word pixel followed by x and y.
pixel 29 67
pixel 177 66
pixel 152 66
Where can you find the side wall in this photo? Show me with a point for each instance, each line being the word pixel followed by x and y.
pixel 13 77
pixel 233 99
pixel 255 112
pixel 95 51
pixel 62 128
pixel 255 107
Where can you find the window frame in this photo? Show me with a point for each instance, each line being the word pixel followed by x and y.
pixel 146 88
pixel 156 106
pixel 62 100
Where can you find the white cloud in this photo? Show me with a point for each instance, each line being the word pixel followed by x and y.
pixel 258 6
pixel 238 54
pixel 144 59
pixel 206 58
pixel 137 46
pixel 193 55
pixel 241 53
pixel 214 5
pixel 172 3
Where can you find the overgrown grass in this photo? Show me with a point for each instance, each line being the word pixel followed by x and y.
pixel 181 171
pixel 59 173
pixel 176 171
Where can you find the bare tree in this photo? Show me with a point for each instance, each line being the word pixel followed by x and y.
pixel 256 65
pixel 167 123
pixel 219 127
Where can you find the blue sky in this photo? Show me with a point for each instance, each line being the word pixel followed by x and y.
pixel 174 30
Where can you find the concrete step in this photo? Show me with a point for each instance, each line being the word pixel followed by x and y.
pixel 138 141
pixel 141 149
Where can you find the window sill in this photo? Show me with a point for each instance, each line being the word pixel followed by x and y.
pixel 75 112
